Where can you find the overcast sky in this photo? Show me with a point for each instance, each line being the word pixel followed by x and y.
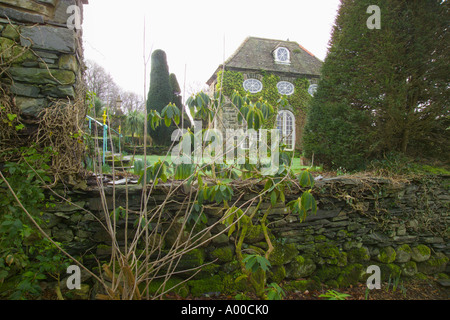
pixel 196 34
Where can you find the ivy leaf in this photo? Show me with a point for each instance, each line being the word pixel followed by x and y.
pixel 11 117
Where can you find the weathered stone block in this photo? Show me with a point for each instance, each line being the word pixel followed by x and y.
pixel 358 255
pixel 25 90
pixel 212 285
pixel 42 76
pixel 68 62
pixel 300 267
pixel 277 274
pixel 46 55
pixel 29 6
pixel 351 275
pixel 49 2
pixel 223 254
pixel 31 106
pixel 435 264
pixel 49 38
pixel 409 269
pixel 67 207
pixel 403 254
pixel 62 235
pixel 20 16
pixel 283 254
pixel 6 46
pixel 59 91
pixel 61 15
pixel 420 253
pixel 11 32
pixel 387 255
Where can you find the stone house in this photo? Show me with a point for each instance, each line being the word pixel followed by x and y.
pixel 257 57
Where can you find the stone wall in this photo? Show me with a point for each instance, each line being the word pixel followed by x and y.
pixel 44 56
pixel 403 227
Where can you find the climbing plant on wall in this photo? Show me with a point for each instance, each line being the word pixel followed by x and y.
pixel 231 81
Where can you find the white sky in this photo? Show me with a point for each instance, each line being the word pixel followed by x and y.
pixel 193 33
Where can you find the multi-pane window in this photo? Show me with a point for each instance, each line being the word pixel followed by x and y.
pixel 285 88
pixel 253 85
pixel 286 125
pixel 282 55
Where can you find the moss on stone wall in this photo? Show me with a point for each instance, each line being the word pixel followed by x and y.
pixel 335 247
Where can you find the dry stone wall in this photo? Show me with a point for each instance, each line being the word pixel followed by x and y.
pixel 44 56
pixel 402 227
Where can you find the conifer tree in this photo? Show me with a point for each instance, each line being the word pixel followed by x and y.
pixel 382 90
pixel 177 99
pixel 159 96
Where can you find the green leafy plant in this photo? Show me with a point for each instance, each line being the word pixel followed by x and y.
pixel 255 262
pixel 304 205
pixel 395 283
pixel 138 167
pixel 275 292
pixel 158 171
pixel 183 171
pixel 26 258
pixel 334 295
pixel 12 120
pixel 169 113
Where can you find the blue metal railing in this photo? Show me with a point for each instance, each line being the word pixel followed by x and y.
pixel 105 135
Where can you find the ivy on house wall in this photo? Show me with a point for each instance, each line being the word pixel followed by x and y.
pixel 297 103
pixel 230 81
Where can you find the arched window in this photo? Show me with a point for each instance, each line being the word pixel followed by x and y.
pixel 286 125
pixel 282 55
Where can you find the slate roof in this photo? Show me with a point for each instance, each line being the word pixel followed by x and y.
pixel 256 54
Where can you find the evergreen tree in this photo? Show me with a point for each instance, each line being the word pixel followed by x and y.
pixel 176 90
pixel 159 96
pixel 382 90
pixel 177 98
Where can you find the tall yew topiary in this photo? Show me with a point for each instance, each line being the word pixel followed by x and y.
pixel 382 90
pixel 159 96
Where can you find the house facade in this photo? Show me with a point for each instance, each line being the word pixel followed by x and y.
pixel 269 69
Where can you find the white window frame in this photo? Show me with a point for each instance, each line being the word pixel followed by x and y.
pixel 253 80
pixel 285 114
pixel 285 83
pixel 312 89
pixel 288 61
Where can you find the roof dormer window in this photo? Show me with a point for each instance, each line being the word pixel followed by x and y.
pixel 282 55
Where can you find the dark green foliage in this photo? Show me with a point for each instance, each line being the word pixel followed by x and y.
pixel 26 257
pixel 382 90
pixel 177 99
pixel 159 96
